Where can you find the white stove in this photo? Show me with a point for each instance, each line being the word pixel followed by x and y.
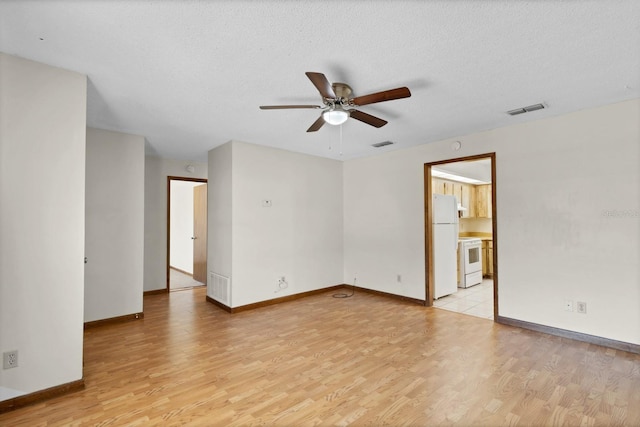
pixel 470 249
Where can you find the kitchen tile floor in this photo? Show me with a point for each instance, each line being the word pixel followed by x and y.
pixel 475 301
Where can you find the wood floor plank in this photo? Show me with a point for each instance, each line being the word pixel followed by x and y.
pixel 362 361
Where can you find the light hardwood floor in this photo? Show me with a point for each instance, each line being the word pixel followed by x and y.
pixel 365 360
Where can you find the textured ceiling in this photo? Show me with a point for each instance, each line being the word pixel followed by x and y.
pixel 190 75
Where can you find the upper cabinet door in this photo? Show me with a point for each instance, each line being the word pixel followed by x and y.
pixel 468 200
pixel 483 201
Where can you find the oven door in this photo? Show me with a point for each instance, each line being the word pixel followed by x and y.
pixel 473 258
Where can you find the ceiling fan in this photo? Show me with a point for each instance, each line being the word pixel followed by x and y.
pixel 338 104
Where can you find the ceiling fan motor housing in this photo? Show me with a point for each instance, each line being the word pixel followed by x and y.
pixel 343 92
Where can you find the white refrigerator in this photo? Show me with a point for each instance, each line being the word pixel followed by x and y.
pixel 445 244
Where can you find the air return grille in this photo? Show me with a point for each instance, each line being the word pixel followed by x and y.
pixel 381 144
pixel 219 288
pixel 527 109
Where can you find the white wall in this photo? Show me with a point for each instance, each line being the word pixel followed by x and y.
pixel 298 237
pixel 155 214
pixel 557 180
pixel 42 196
pixel 114 224
pixel 219 212
pixel 181 227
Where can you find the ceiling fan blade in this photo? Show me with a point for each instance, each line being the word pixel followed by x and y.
pixel 386 95
pixel 367 118
pixel 322 84
pixel 286 107
pixel 316 125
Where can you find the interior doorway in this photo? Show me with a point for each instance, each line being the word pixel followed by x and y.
pixel 472 182
pixel 186 233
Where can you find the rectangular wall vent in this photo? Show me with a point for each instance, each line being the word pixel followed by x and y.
pixel 382 144
pixel 219 288
pixel 526 109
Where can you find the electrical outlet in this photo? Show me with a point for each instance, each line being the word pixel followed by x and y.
pixel 581 307
pixel 10 359
pixel 282 284
pixel 568 305
pixel 399 278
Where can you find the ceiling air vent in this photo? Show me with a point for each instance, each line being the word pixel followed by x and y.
pixel 381 144
pixel 526 109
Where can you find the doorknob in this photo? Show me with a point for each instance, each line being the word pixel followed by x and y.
pixel 194 238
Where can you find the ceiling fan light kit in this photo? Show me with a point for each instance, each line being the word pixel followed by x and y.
pixel 338 104
pixel 336 116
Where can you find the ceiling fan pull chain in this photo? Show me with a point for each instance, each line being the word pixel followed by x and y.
pixel 340 140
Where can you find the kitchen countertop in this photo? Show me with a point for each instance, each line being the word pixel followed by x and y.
pixel 481 236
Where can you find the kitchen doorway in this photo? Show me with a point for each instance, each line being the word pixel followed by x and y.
pixel 186 233
pixel 471 182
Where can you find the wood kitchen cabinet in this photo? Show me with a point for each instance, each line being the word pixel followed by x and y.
pixel 437 186
pixel 465 194
pixel 449 188
pixel 487 258
pixel 485 269
pixel 475 198
pixel 483 201
pixel 490 257
pixel 468 200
